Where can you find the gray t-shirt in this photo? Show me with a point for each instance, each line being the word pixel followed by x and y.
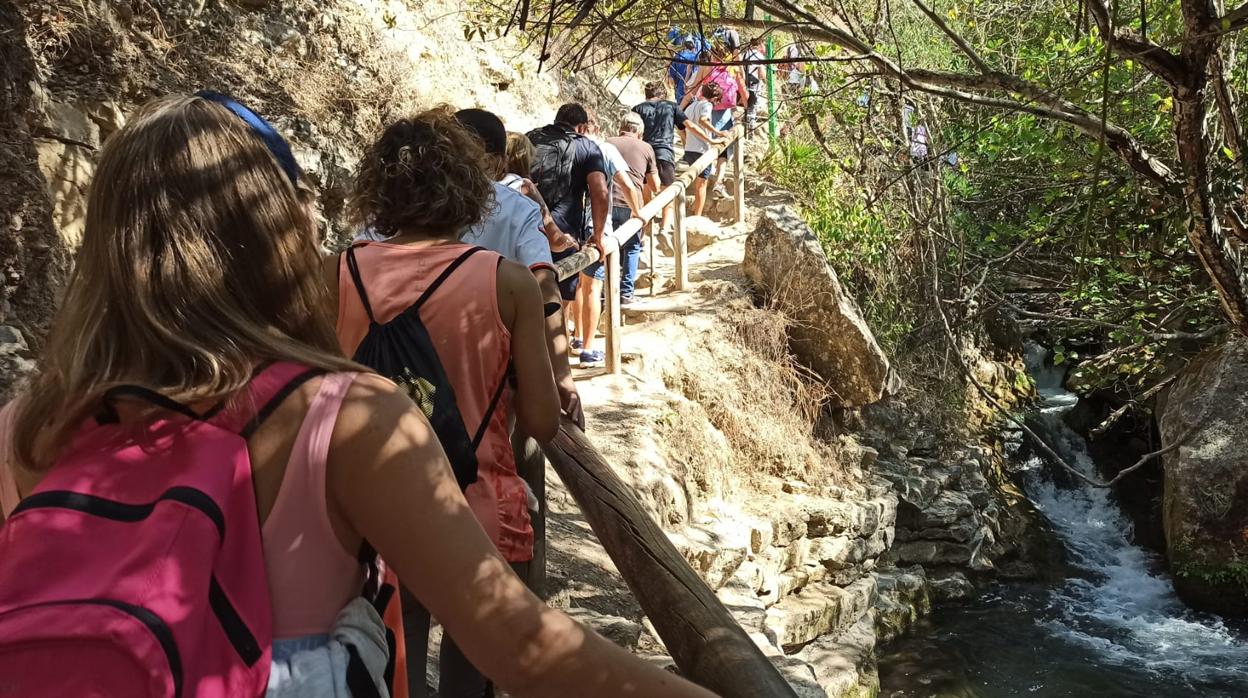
pixel 696 112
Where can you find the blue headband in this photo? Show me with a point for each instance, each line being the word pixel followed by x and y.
pixel 272 139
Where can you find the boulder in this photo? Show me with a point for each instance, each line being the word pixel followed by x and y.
pixel 1205 509
pixel 784 259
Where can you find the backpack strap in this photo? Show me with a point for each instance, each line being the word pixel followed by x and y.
pixel 489 411
pixel 354 268
pixel 446 273
pixel 270 385
pixel 108 412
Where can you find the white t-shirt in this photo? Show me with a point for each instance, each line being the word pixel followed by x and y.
pixel 615 162
pixel 512 228
pixel 795 74
pixel 753 69
pixel 695 113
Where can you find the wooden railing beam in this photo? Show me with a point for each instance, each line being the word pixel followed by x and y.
pixel 700 634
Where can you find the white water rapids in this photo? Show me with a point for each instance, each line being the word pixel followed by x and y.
pixel 1119 605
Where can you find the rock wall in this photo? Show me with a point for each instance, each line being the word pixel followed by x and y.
pixel 1204 418
pixel 326 73
pixel 785 261
pixel 32 259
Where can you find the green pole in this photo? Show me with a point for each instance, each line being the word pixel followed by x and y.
pixel 771 87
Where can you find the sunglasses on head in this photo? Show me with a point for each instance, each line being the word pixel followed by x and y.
pixel 272 139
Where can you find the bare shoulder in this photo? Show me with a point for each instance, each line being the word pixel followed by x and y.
pixel 514 277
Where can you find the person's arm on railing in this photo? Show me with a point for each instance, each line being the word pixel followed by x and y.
pixel 625 181
pixel 704 131
pixel 387 476
pixel 599 207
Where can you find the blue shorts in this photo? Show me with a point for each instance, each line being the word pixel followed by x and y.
pixel 692 157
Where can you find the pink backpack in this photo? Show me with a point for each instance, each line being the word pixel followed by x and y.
pixel 135 568
pixel 728 84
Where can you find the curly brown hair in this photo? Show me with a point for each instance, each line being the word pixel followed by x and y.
pixel 425 174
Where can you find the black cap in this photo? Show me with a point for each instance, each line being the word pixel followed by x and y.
pixel 489 129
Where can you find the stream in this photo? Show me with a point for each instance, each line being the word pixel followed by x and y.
pixel 1113 627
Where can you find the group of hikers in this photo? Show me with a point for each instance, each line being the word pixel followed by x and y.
pixel 243 468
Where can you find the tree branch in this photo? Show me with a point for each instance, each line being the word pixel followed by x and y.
pixel 956 38
pixel 1234 20
pixel 969 88
pixel 1129 43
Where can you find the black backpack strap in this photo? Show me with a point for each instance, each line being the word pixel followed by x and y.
pixel 489 411
pixel 359 681
pixel 446 273
pixel 108 413
pixel 379 595
pixel 354 268
pixel 274 402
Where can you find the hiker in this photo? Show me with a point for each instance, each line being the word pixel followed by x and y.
pixel 700 114
pixel 204 389
pixel 518 167
pixel 732 89
pixel 662 118
pixel 483 350
pixel 754 73
pixel 683 64
pixel 587 309
pixel 644 174
pixel 514 228
pixel 567 169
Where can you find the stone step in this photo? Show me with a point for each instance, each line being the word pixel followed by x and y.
pixel 818 609
pixel 845 663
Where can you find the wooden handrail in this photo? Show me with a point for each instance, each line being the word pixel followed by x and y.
pixel 701 635
pixel 573 264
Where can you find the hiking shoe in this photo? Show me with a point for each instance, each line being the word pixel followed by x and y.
pixel 591 358
pixel 721 192
pixel 626 301
pixel 577 343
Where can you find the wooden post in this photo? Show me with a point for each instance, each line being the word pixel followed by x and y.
pixel 705 641
pixel 531 466
pixel 614 324
pixel 738 167
pixel 681 247
pixel 652 234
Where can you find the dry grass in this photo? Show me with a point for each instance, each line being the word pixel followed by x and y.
pixel 752 391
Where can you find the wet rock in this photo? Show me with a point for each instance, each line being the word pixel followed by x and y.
pixel 903 598
pixel 783 259
pixel 1205 511
pixel 951 586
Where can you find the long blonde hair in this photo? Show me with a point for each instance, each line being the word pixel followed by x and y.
pixel 197 262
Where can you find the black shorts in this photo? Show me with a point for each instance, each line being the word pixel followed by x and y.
pixel 692 157
pixel 667 172
pixel 567 287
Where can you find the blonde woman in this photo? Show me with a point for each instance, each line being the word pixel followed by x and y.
pixel 198 266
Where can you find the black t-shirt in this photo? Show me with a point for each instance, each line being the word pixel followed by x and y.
pixel 662 118
pixel 569 214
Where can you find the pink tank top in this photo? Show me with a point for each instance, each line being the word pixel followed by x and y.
pixel 311 577
pixel 474 347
